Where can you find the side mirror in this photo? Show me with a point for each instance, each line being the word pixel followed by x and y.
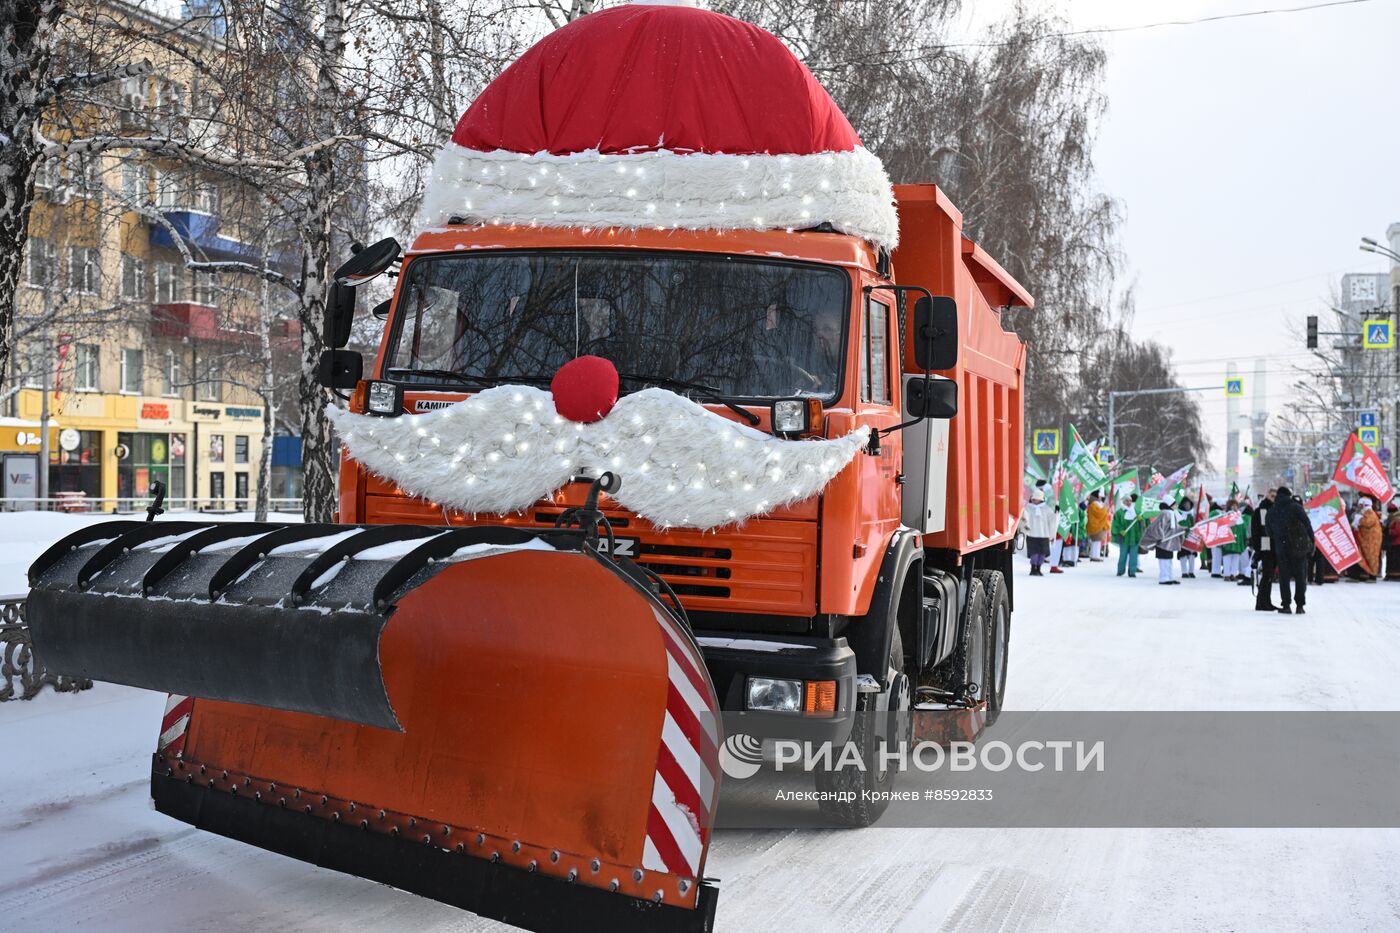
pixel 935 334
pixel 368 263
pixel 340 315
pixel 931 398
pixel 339 369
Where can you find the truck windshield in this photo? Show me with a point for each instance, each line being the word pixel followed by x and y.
pixel 750 328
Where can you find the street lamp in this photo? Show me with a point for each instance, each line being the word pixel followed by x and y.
pixel 1369 245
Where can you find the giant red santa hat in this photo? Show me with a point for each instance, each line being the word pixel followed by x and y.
pixel 666 116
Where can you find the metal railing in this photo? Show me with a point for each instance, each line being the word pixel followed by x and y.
pixel 21 678
pixel 80 503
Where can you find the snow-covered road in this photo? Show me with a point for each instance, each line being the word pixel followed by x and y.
pixel 80 847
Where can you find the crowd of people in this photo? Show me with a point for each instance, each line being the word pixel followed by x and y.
pixel 1272 543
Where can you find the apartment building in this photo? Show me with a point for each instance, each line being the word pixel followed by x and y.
pixel 151 370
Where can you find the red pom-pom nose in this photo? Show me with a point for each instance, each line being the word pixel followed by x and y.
pixel 585 389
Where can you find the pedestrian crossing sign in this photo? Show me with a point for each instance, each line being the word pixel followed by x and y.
pixel 1047 441
pixel 1369 436
pixel 1252 451
pixel 1378 335
pixel 1234 387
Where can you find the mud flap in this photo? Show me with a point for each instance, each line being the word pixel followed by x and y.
pixel 498 718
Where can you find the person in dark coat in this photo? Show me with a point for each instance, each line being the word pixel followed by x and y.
pixel 1262 547
pixel 1392 541
pixel 1291 538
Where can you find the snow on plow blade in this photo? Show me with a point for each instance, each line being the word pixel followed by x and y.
pixel 496 718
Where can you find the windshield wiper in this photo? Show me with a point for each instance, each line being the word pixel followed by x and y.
pixel 471 379
pixel 707 393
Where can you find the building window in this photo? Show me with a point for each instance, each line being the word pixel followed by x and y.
pixel 85 367
pixel 204 291
pixel 85 172
pixel 83 269
pixel 216 490
pixel 133 278
pixel 168 194
pixel 209 382
pixel 216 448
pixel 169 283
pixel 172 374
pixel 132 176
pixel 240 448
pixel 206 198
pixel 43 263
pixel 46 174
pixel 35 361
pixel 133 366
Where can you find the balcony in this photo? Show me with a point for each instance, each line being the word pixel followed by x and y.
pixel 201 231
pixel 185 320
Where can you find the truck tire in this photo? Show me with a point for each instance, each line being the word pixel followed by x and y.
pixel 998 608
pixel 842 792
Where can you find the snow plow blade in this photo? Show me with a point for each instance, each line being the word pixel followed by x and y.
pixel 501 719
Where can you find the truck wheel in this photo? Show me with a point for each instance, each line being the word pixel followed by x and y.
pixel 845 794
pixel 999 639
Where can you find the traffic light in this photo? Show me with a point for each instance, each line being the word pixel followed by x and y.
pixel 1312 331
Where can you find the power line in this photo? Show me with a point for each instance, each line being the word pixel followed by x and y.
pixel 928 51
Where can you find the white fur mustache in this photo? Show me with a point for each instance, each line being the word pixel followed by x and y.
pixel 682 466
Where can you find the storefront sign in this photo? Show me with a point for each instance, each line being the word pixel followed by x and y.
pixel 69 439
pixel 236 412
pixel 28 438
pixel 155 411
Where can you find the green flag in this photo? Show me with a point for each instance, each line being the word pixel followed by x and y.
pixel 1081 462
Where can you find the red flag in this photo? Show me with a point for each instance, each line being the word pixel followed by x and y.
pixel 1361 469
pixel 1328 515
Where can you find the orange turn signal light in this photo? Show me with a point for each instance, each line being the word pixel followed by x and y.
pixel 819 698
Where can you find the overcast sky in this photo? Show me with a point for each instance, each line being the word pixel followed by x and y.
pixel 1250 157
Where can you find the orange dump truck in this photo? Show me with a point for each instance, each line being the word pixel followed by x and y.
pixel 623 463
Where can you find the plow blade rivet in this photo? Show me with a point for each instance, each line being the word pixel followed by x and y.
pixel 614 885
pixel 336 816
pixel 296 794
pixel 247 781
pixel 573 875
pixel 554 856
pixel 202 769
pixel 381 814
pixel 495 857
pixel 427 839
pixel 595 865
pixel 272 788
pixel 461 847
pixel 394 831
pixel 684 886
pixel 352 806
pixel 657 898
pixel 189 779
pixel 324 800
pixel 282 802
pixel 515 847
pixel 224 775
pixel 257 795
pixel 308 809
pixel 169 773
pixel 412 822
pixel 364 824
pixel 534 865
pixel 637 875
pixel 480 839
pixel 447 830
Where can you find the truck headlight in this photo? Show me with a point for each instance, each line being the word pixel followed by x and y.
pixel 791 416
pixel 774 694
pixel 384 399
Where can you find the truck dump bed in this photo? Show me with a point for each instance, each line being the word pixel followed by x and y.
pixel 986 440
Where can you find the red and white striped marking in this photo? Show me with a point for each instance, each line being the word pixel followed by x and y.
pixel 174 724
pixel 687 766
